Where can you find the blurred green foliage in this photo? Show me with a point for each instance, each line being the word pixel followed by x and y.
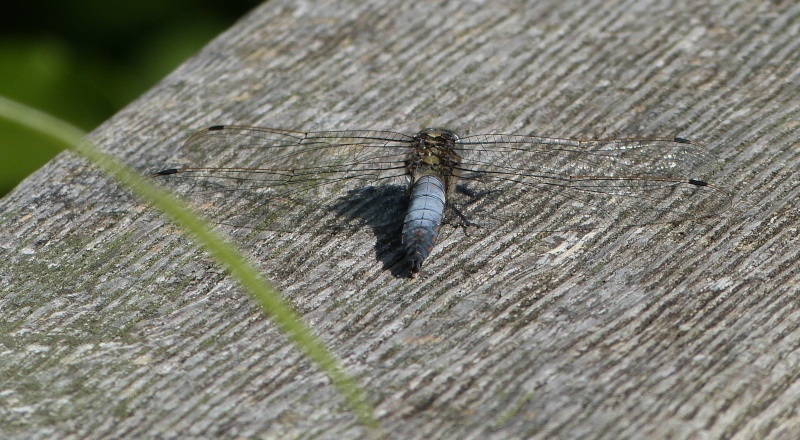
pixel 84 60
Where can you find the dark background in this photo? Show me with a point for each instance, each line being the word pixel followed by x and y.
pixel 82 61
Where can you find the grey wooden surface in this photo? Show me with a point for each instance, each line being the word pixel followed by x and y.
pixel 116 325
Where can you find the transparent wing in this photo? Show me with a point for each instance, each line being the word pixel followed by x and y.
pixel 273 179
pixel 264 178
pixel 557 184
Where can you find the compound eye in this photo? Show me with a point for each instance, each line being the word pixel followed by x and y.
pixel 448 135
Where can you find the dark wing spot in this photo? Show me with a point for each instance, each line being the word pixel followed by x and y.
pixel 681 140
pixel 167 172
pixel 698 182
pixel 216 127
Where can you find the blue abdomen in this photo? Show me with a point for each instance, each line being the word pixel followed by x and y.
pixel 423 220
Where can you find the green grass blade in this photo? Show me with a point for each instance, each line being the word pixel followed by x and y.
pixel 262 292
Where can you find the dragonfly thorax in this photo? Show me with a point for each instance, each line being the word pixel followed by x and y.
pixel 433 153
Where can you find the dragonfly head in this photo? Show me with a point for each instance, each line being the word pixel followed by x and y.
pixel 438 136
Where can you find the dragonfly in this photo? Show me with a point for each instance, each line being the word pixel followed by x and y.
pixel 283 179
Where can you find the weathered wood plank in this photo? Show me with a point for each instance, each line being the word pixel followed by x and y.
pixel 114 325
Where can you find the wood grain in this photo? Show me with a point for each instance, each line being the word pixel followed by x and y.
pixel 115 325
